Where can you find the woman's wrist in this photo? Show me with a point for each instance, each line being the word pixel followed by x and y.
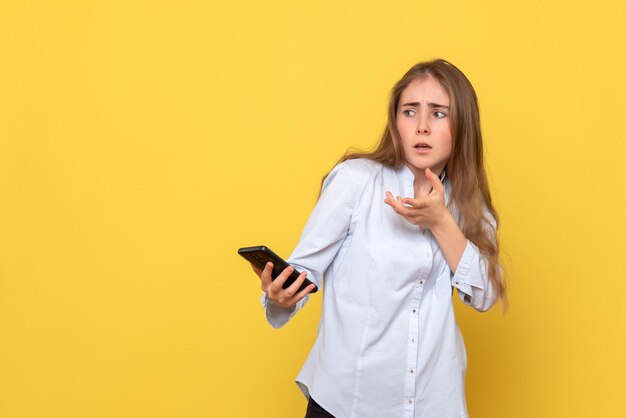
pixel 445 223
pixel 451 239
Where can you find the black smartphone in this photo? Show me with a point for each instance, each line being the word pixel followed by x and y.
pixel 260 255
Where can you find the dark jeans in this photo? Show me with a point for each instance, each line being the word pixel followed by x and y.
pixel 313 410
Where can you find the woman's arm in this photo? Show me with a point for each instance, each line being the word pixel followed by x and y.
pixel 431 212
pixel 450 239
pixel 321 239
pixel 468 267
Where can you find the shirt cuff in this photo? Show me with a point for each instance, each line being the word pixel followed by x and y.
pixel 277 316
pixel 467 275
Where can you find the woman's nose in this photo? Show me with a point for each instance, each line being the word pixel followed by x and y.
pixel 423 128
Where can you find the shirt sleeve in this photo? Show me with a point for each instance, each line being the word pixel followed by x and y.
pixel 471 278
pixel 277 316
pixel 321 238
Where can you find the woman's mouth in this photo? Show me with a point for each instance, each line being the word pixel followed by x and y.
pixel 422 147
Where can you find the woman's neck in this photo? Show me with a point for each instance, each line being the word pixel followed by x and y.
pixel 422 186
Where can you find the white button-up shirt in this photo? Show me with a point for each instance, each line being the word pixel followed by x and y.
pixel 388 343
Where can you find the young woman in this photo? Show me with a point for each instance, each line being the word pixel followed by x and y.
pixel 394 231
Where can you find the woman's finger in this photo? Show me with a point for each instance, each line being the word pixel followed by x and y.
pixel 435 181
pixel 411 214
pixel 304 292
pixel 293 288
pixel 416 203
pixel 266 276
pixel 277 284
pixel 404 210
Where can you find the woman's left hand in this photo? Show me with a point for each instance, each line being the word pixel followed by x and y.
pixel 427 211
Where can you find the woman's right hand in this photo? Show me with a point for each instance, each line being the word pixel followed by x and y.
pixel 286 298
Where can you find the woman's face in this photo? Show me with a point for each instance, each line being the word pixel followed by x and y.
pixel 424 125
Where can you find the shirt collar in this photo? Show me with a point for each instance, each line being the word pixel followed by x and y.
pixel 407 174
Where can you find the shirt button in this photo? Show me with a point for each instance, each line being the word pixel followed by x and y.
pixel 457 282
pixel 421 281
pixel 412 340
pixel 412 371
pixel 410 401
pixel 414 310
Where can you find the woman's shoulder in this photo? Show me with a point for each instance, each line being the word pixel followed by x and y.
pixel 360 166
pixel 354 174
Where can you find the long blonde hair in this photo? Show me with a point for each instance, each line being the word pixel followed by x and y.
pixel 465 167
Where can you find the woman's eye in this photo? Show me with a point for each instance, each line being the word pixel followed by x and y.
pixel 440 115
pixel 409 113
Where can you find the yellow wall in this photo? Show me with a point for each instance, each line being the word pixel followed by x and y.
pixel 142 143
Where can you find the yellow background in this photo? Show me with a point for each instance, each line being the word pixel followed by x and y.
pixel 143 142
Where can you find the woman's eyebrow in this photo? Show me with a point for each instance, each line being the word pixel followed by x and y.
pixel 416 104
